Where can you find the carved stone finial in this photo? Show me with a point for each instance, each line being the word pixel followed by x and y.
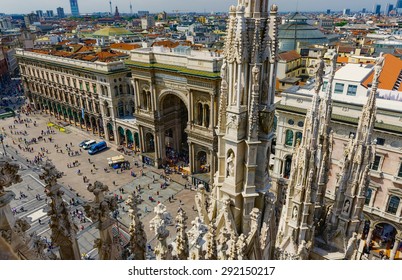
pixel 8 175
pixel 274 8
pixel 182 247
pixel 138 238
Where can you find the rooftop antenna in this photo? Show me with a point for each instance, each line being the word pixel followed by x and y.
pixel 131 9
pixel 111 10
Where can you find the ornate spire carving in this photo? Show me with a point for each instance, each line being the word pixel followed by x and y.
pixel 245 122
pixel 233 247
pixel 346 213
pixel 182 243
pixel 297 223
pixel 99 211
pixel 138 238
pixel 326 143
pixel 63 229
pixel 241 246
pixel 8 175
pixel 223 241
pixel 223 98
pixel 211 251
pixel 253 115
pixel 158 226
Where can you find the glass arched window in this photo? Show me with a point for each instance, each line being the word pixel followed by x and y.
pixel 393 204
pixel 207 112
pixel 200 113
pixel 289 138
pixel 121 109
pixel 288 167
pixel 299 136
pixel 368 196
pixel 275 122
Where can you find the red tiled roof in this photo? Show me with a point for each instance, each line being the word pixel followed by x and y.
pixel 166 44
pixel 345 49
pixel 125 46
pixel 289 56
pixel 85 49
pixel 389 75
pixel 90 42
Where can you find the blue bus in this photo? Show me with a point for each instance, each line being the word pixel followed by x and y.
pixel 97 148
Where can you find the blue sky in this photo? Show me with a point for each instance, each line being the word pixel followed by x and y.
pixel 88 6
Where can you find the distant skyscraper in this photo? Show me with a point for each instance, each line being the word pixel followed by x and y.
pixel 328 11
pixel 398 6
pixel 377 9
pixel 60 12
pixel 49 13
pixel 364 11
pixel 39 14
pixel 74 8
pixel 346 12
pixel 388 9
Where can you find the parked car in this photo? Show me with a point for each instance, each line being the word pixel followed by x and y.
pixel 97 148
pixel 83 143
pixel 88 144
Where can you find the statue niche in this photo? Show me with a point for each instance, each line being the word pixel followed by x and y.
pixel 230 162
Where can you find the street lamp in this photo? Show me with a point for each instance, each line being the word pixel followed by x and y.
pixel 2 143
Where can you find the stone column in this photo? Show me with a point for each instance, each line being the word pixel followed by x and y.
pixel 141 139
pixel 372 198
pixel 370 235
pixel 204 114
pixel 190 108
pixel 211 166
pixel 80 119
pixel 395 248
pixel 211 111
pixel 399 210
pixel 191 156
pixel 98 125
pixel 158 146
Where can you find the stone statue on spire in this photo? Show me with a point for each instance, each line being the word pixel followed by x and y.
pixel 319 73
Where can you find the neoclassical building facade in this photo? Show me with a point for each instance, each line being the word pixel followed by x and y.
pixel 177 99
pixel 89 95
pixel 160 102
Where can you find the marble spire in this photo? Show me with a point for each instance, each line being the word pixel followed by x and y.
pixel 346 214
pixel 297 223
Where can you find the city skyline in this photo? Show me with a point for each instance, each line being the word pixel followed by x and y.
pixel 90 6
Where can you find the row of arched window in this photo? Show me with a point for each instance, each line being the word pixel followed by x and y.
pixel 291 138
pixel 145 100
pixel 203 114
